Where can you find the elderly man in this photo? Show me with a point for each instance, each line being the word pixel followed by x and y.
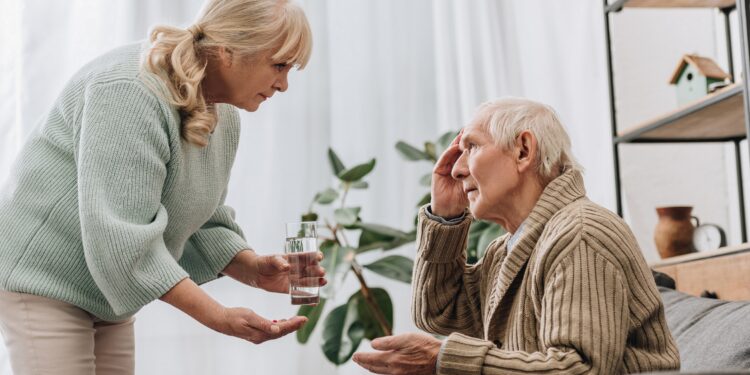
pixel 566 291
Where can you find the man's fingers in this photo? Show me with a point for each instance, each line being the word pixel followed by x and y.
pixel 444 166
pixel 396 342
pixel 457 140
pixel 373 362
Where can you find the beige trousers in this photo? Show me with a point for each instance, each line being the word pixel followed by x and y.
pixel 47 336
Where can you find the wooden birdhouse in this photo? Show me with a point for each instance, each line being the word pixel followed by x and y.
pixel 693 76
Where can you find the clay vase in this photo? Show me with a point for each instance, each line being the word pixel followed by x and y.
pixel 674 231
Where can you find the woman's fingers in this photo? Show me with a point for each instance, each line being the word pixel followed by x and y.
pixel 259 329
pixel 311 281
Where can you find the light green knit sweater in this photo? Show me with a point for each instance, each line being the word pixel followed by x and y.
pixel 108 207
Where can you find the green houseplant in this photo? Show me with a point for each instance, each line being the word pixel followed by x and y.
pixel 368 313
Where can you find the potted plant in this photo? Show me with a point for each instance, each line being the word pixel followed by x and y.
pixel 368 313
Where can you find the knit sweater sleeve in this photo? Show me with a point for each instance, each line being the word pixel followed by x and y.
pixel 446 292
pixel 121 155
pixel 212 247
pixel 583 325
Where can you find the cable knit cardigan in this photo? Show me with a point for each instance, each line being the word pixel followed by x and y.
pixel 574 296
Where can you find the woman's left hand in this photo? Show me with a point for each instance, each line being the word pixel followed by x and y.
pixel 271 272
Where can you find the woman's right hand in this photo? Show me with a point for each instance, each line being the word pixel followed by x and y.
pixel 240 322
pixel 247 325
pixel 448 197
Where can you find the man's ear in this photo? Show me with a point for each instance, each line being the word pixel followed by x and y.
pixel 526 150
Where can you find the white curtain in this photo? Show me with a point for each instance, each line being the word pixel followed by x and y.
pixel 382 71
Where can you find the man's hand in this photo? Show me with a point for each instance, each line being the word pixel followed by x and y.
pixel 408 353
pixel 448 197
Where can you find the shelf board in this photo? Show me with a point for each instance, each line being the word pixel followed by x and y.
pixel 617 5
pixel 679 3
pixel 723 251
pixel 716 117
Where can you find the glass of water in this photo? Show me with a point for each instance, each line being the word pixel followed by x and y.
pixel 302 252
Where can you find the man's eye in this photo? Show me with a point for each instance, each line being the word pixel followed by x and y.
pixel 472 146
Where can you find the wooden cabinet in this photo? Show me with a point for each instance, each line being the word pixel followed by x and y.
pixel 725 272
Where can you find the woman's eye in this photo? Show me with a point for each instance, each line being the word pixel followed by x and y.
pixel 472 146
pixel 280 67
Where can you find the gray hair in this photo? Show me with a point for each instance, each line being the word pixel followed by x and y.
pixel 506 118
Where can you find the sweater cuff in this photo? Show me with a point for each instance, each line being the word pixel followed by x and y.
pixel 462 354
pixel 441 243
pixel 214 249
pixel 442 220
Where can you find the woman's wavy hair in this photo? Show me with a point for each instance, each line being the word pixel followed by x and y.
pixel 245 28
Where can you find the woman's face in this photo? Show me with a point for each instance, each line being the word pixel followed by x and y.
pixel 245 82
pixel 488 173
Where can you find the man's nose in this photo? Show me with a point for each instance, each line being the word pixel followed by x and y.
pixel 460 168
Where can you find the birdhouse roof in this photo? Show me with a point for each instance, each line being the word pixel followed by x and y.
pixel 705 66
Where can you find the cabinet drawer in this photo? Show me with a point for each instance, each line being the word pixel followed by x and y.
pixel 728 276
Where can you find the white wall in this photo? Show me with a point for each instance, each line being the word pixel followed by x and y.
pixel 647 45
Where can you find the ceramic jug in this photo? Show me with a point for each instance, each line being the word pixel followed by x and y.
pixel 674 231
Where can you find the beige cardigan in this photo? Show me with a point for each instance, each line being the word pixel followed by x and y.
pixel 574 296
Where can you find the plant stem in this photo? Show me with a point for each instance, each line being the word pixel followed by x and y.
pixel 346 191
pixel 374 308
pixel 357 269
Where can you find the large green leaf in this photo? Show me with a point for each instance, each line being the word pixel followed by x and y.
pixel 396 267
pixel 357 172
pixel 426 180
pixel 369 240
pixel 326 196
pixel 366 316
pixel 310 216
pixel 359 185
pixel 384 230
pixel 489 234
pixel 427 198
pixel 346 325
pixel 346 215
pixel 337 262
pixel 342 333
pixel 410 152
pixel 445 140
pixel 475 231
pixel 336 165
pixel 380 237
pixel 429 149
pixel 312 312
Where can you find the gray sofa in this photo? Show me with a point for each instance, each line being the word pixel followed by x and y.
pixel 711 334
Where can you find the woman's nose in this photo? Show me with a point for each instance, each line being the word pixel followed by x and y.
pixel 460 168
pixel 282 83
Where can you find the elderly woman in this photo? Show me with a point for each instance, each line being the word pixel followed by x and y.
pixel 566 291
pixel 118 198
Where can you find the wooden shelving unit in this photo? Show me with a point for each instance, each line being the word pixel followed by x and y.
pixel 723 116
pixel 718 117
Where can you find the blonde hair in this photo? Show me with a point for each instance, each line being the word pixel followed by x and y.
pixel 244 27
pixel 506 118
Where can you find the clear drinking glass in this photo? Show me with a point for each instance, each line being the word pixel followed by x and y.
pixel 302 251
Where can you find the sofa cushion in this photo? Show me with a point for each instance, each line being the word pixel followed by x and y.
pixel 711 334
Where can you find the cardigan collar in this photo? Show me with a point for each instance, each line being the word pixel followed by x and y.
pixel 560 192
